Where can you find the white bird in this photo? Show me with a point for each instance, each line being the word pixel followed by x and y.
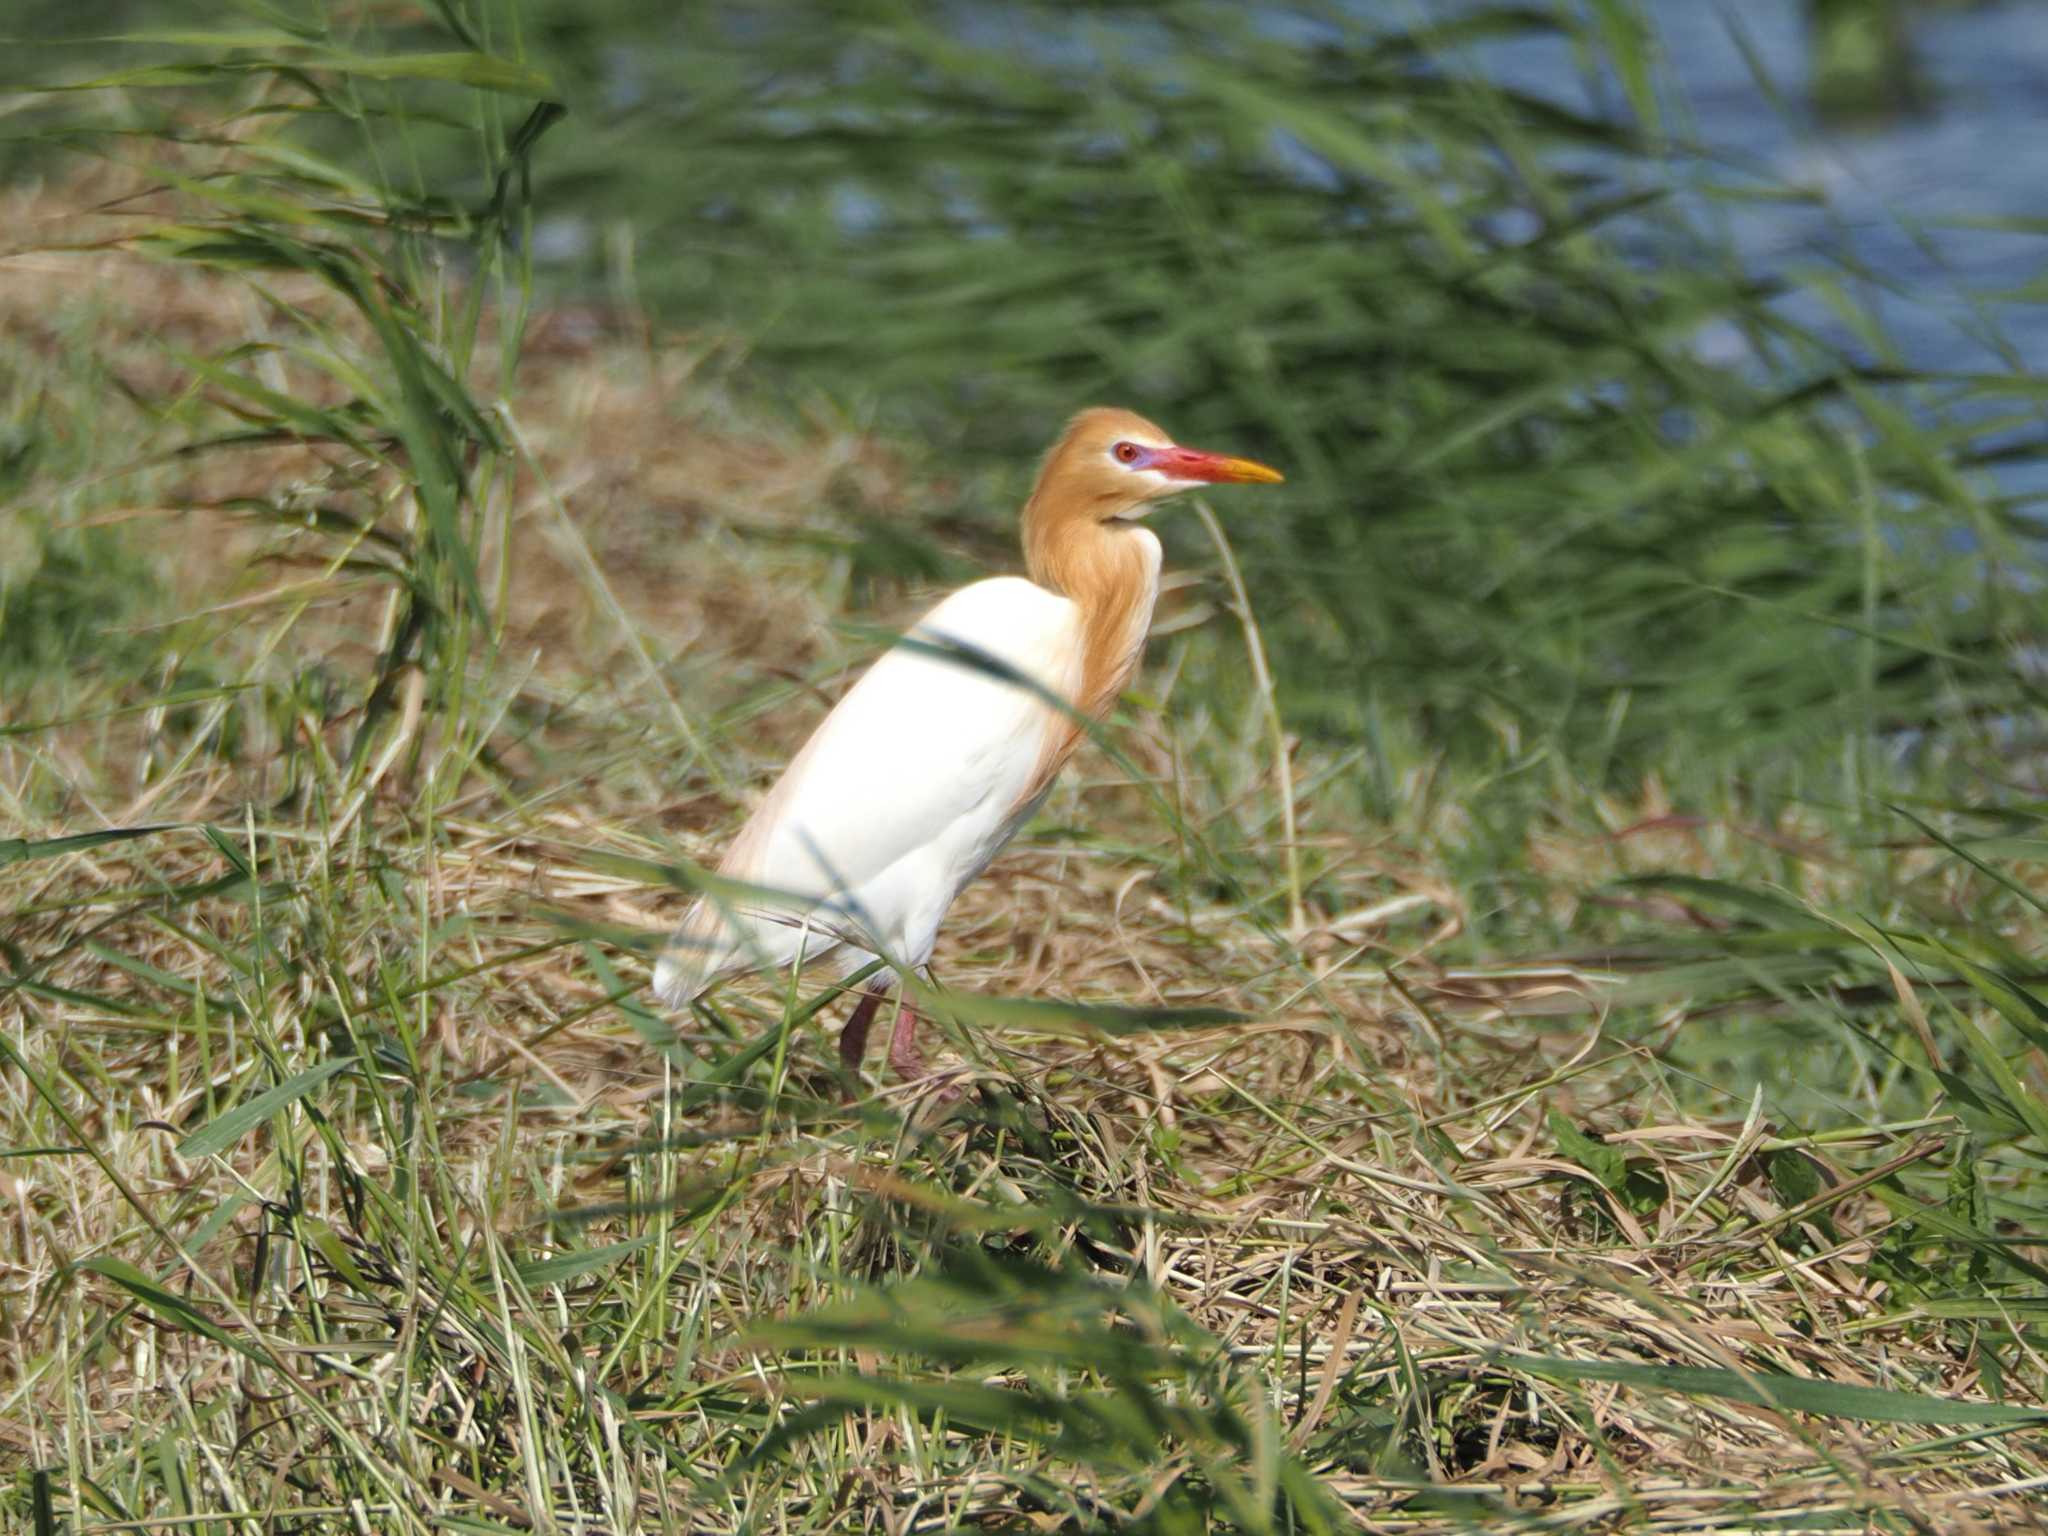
pixel 942 750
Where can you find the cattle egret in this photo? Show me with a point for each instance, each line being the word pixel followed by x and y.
pixel 949 743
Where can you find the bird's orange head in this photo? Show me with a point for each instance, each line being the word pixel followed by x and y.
pixel 1110 465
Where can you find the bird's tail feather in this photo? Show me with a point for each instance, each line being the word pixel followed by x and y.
pixel 676 980
pixel 715 941
pixel 697 955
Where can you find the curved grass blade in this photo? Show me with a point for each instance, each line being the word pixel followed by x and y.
pixel 222 1132
pixel 1797 1394
pixel 22 850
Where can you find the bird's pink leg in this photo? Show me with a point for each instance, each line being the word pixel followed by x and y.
pixel 853 1040
pixel 903 1052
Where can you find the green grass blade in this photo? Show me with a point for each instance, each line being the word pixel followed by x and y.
pixel 20 850
pixel 222 1132
pixel 1795 1394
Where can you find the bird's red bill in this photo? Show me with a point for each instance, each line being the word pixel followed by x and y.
pixel 1214 468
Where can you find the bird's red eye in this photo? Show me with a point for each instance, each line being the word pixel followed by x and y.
pixel 1126 453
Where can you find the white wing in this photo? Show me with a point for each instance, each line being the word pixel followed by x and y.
pixel 903 793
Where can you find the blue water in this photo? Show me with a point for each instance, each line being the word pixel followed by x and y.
pixel 1892 197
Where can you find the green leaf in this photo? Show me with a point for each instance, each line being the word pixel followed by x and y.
pixel 225 40
pixel 1795 1394
pixel 310 422
pixel 1762 905
pixel 165 1304
pixel 476 70
pixel 2026 1105
pixel 226 848
pixel 1991 1115
pixel 1974 862
pixel 335 1252
pixel 1630 46
pixel 1935 1219
pixel 571 1266
pixel 222 1132
pixel 1607 1164
pixel 1992 1309
pixel 650 1026
pixel 1797 1178
pixel 20 850
pixel 479 71
pixel 2017 1005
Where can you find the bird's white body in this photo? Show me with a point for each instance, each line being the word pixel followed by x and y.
pixel 907 789
pixel 935 758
